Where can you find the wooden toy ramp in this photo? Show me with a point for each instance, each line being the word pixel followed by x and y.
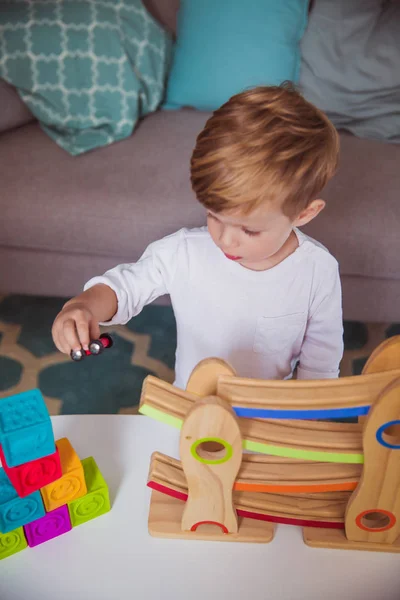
pixel 315 509
pixel 261 473
pixel 340 481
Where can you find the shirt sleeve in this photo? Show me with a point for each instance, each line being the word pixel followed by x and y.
pixel 138 284
pixel 322 348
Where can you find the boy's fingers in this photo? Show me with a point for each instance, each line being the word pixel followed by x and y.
pixel 57 339
pixel 63 346
pixel 71 336
pixel 94 330
pixel 82 329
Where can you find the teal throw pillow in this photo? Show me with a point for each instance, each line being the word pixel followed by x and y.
pixel 226 46
pixel 87 69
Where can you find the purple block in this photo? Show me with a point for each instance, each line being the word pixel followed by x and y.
pixel 54 523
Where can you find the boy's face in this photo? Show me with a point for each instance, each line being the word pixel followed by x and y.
pixel 261 239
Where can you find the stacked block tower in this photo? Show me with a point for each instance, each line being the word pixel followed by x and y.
pixel 45 489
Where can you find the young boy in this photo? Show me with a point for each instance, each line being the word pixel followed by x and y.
pixel 249 288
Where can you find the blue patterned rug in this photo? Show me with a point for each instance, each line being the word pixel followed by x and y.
pixel 111 382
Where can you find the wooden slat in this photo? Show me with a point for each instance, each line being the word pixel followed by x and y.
pixel 329 506
pixel 261 473
pixel 347 392
pixel 316 440
pixel 336 539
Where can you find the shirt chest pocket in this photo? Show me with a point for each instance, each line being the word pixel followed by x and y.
pixel 276 334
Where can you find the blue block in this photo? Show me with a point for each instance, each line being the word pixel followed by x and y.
pixel 16 511
pixel 25 428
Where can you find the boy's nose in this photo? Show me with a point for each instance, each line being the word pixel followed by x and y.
pixel 228 238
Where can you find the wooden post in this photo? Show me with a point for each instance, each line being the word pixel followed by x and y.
pixel 372 519
pixel 211 455
pixel 386 357
pixel 203 380
pixel 373 512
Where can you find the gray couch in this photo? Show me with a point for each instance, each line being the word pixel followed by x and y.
pixel 65 219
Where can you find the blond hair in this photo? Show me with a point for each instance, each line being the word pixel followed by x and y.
pixel 264 144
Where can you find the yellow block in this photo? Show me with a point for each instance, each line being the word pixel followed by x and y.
pixel 71 485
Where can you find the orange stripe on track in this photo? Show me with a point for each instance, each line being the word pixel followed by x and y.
pixel 295 489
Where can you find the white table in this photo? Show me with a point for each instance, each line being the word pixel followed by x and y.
pixel 114 558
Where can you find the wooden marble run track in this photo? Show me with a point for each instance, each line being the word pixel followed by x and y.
pixel 324 509
pixel 339 501
pixel 260 473
pixel 304 440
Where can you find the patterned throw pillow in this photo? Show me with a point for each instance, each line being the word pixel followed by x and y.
pixel 87 69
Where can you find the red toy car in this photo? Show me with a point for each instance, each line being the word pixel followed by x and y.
pixel 95 347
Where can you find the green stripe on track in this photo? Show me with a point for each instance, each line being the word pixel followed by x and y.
pixel 158 415
pixel 286 452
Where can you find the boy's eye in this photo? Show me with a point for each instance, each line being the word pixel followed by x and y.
pixel 250 233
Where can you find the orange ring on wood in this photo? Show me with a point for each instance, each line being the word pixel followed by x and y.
pixel 392 520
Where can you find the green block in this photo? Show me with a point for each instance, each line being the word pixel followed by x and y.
pixel 96 502
pixel 12 542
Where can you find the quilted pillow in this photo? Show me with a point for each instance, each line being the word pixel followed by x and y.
pixel 87 69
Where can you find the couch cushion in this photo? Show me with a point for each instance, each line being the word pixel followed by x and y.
pixel 113 201
pixel 13 111
pixel 361 223
pixel 351 65
pixel 165 11
pixel 116 200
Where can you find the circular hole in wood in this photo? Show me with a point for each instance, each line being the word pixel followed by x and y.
pixel 375 520
pixel 388 434
pixel 211 450
pixel 391 434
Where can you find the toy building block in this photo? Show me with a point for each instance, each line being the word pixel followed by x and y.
pixel 26 433
pixel 16 511
pixel 12 542
pixel 32 476
pixel 97 500
pixel 71 484
pixel 52 525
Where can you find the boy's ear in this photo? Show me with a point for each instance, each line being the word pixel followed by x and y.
pixel 309 213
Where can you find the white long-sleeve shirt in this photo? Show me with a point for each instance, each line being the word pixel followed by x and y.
pixel 261 322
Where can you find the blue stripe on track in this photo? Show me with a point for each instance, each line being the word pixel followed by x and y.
pixel 326 413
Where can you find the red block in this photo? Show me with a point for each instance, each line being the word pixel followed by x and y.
pixel 32 476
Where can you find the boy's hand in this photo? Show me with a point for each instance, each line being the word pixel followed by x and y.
pixel 74 327
pixel 78 322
